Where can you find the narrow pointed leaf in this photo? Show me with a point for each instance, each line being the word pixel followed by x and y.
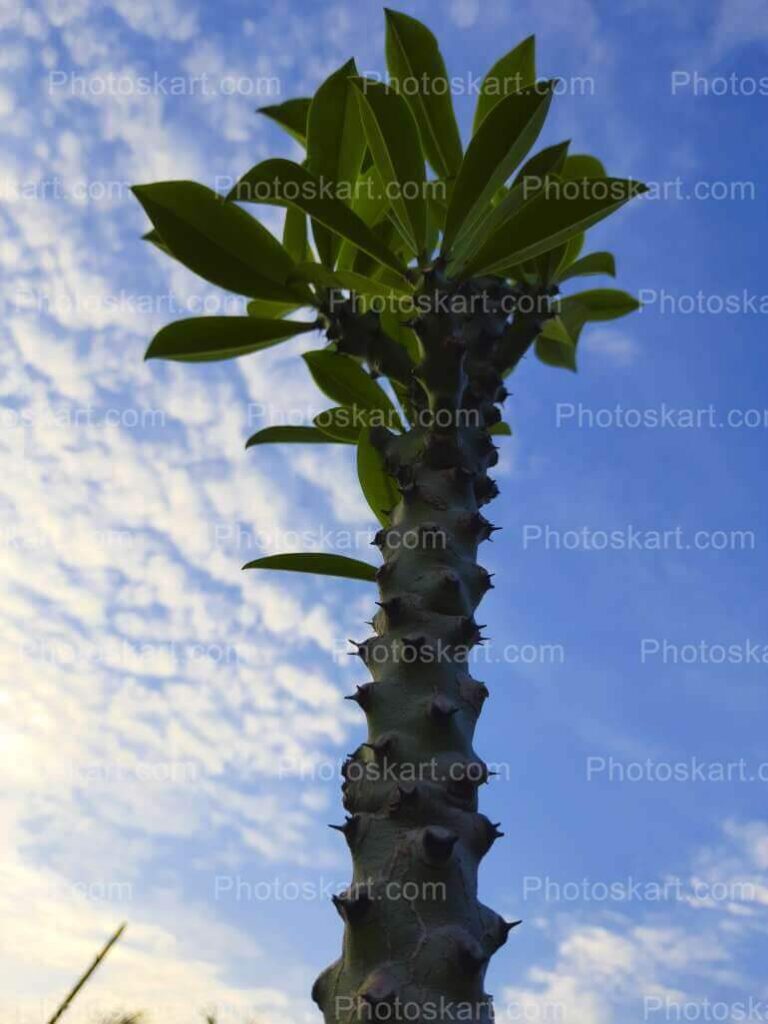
pixel 513 72
pixel 417 71
pixel 291 115
pixel 335 146
pixel 549 160
pixel 318 563
pixel 207 338
pixel 217 240
pixel 295 234
pixel 361 263
pixel 153 237
pixel 393 139
pixel 546 221
pixel 284 183
pixel 378 487
pixel 502 141
pixel 288 435
pixel 381 288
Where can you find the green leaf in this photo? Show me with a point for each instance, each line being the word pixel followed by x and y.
pixel 502 141
pixel 387 233
pixel 379 488
pixel 335 147
pixel 555 346
pixel 153 237
pixel 601 304
pixel 548 262
pixel 217 240
pixel 546 220
pixel 384 288
pixel 417 71
pixel 295 234
pixel 287 435
pixel 291 115
pixel 581 165
pixel 341 424
pixel 284 183
pixel 493 219
pixel 500 429
pixel 370 201
pixel 393 139
pixel 549 160
pixel 207 338
pixel 270 310
pixel 573 248
pixel 513 72
pixel 319 563
pixel 341 378
pixel 392 325
pixel 588 266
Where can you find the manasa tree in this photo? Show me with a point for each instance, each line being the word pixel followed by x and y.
pixel 429 288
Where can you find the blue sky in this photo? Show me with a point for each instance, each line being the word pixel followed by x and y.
pixel 171 727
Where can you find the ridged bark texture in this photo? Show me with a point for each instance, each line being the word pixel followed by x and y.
pixel 417 941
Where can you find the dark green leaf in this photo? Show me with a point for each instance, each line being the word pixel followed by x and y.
pixel 335 147
pixel 341 378
pixel 379 488
pixel 392 324
pixel 547 220
pixel 287 435
pixel 573 248
pixel 284 183
pixel 341 424
pixel 555 346
pixel 383 287
pixel 217 240
pixel 291 115
pixel 270 310
pixel 393 139
pixel 417 71
pixel 581 165
pixel 295 234
pixel 548 262
pixel 387 233
pixel 502 141
pixel 500 429
pixel 207 338
pixel 594 263
pixel 513 72
pixel 153 237
pixel 549 160
pixel 602 303
pixel 319 563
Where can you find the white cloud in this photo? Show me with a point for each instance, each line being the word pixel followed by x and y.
pixel 464 13
pixel 607 961
pixel 611 345
pixel 738 22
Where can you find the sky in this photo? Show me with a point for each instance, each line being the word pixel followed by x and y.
pixel 171 728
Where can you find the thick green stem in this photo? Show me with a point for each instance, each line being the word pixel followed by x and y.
pixel 417 941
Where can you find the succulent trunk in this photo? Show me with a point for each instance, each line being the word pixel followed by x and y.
pixel 417 941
